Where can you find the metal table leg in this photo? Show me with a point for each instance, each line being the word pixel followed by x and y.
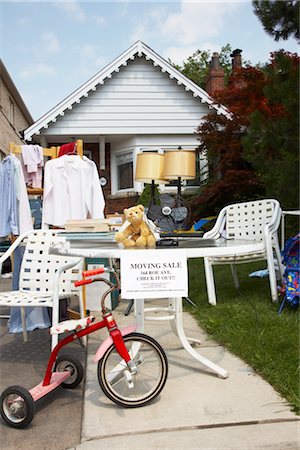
pixel 222 373
pixel 176 319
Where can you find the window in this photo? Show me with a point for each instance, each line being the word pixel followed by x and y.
pixel 11 112
pixel 201 171
pixel 125 170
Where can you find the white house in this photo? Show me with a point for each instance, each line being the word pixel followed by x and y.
pixel 138 102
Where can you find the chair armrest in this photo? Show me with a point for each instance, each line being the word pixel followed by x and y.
pixel 59 271
pixel 218 227
pixel 272 227
pixel 12 248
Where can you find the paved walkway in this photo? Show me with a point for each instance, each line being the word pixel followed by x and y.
pixel 196 409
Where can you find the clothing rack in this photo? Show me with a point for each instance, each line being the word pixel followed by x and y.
pixel 51 152
pixel 17 149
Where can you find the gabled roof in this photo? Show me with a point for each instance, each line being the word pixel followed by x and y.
pixel 137 50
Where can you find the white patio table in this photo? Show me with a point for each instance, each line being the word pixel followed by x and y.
pixel 88 245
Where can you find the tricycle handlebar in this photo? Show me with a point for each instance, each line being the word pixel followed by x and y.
pixel 89 273
pixel 82 282
pixel 112 286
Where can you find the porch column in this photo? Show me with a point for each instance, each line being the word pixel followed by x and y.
pixel 102 152
pixel 43 142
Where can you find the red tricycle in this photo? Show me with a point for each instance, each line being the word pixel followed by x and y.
pixel 132 367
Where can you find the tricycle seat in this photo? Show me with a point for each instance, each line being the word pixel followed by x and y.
pixel 70 325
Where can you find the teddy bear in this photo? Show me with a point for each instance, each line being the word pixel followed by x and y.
pixel 137 233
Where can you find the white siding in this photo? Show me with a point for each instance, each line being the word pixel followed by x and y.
pixel 139 99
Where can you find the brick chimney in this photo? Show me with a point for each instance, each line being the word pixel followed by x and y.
pixel 215 77
pixel 236 60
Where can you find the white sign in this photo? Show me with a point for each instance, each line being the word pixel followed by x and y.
pixel 154 274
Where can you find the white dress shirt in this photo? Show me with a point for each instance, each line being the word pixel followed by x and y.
pixel 72 190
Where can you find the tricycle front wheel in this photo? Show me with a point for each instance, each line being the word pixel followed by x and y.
pixel 17 406
pixel 134 389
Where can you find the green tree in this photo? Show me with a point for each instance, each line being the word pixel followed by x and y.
pixel 271 144
pixel 280 19
pixel 146 195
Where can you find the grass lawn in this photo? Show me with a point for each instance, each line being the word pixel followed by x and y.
pixel 246 322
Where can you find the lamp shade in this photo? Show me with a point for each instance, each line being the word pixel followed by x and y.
pixel 149 166
pixel 180 163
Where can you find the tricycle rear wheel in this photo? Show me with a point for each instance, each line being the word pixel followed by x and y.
pixel 74 366
pixel 17 406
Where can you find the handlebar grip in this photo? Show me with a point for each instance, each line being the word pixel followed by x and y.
pixel 89 273
pixel 82 282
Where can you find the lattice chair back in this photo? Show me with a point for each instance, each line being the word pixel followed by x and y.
pixel 38 266
pixel 248 220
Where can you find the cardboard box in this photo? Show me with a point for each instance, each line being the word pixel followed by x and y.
pixel 88 225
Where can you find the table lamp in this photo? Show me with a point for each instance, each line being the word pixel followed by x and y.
pixel 180 165
pixel 149 169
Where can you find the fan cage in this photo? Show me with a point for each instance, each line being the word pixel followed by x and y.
pixel 169 213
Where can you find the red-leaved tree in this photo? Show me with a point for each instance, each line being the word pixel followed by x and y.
pixel 231 177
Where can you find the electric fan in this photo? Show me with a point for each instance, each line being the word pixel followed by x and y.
pixel 169 213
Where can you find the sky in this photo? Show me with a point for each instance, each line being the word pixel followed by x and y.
pixel 50 48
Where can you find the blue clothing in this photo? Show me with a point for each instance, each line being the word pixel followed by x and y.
pixel 36 317
pixel 8 198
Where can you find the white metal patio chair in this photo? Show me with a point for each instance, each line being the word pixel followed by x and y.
pixel 44 278
pixel 258 221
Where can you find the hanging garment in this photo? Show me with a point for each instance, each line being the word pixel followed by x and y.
pixel 23 205
pixel 33 161
pixel 72 190
pixel 8 198
pixel 15 215
pixel 66 149
pixel 15 218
